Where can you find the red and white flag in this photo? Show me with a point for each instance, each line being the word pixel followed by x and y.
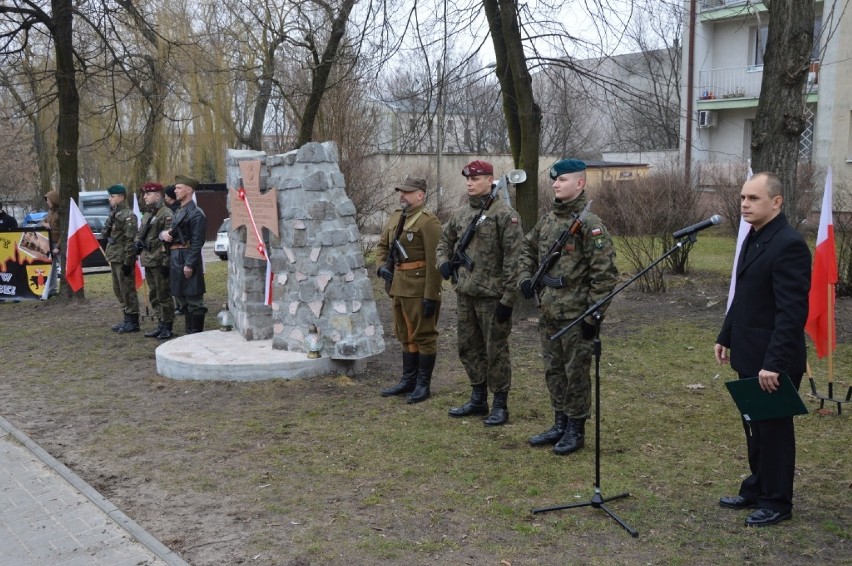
pixel 820 326
pixel 267 288
pixel 139 272
pixel 81 242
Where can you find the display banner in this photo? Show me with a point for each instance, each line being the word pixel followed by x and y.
pixel 25 263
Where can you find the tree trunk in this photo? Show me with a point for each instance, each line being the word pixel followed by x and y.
pixel 523 115
pixel 67 129
pixel 780 117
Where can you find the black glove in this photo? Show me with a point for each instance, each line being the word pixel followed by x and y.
pixel 165 270
pixel 429 307
pixel 127 270
pixel 385 274
pixel 527 289
pixel 446 270
pixel 139 245
pixel 503 313
pixel 587 330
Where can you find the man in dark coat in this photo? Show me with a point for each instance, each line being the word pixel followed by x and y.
pixel 6 220
pixel 764 334
pixel 185 239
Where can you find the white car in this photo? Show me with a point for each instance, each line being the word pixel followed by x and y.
pixel 221 245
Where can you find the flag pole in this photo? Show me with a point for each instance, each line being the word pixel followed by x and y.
pixel 830 322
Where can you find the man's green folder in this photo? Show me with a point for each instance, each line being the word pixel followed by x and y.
pixel 755 404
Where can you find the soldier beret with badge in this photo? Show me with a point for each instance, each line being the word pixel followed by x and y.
pixel 478 168
pixel 564 166
pixel 188 181
pixel 117 190
pixel 412 184
pixel 152 187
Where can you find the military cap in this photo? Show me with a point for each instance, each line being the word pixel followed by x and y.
pixel 188 181
pixel 566 166
pixel 152 188
pixel 117 190
pixel 170 192
pixel 412 184
pixel 477 168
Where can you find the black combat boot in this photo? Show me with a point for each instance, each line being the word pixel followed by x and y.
pixel 187 323
pixel 573 439
pixel 478 404
pixel 115 327
pixel 424 379
pixel 165 331
pixel 551 436
pixel 156 332
pixel 131 324
pixel 198 320
pixel 500 411
pixel 410 369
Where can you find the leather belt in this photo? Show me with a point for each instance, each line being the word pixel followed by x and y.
pixel 411 265
pixel 179 247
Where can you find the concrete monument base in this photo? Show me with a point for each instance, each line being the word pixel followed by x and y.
pixel 226 356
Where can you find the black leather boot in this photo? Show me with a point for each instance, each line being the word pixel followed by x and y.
pixel 117 325
pixel 156 332
pixel 187 323
pixel 165 331
pixel 573 439
pixel 424 379
pixel 478 404
pixel 500 411
pixel 131 324
pixel 410 370
pixel 552 435
pixel 198 320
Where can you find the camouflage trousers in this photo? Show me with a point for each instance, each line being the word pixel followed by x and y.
pixel 160 294
pixel 484 343
pixel 567 362
pixel 124 287
pixel 414 332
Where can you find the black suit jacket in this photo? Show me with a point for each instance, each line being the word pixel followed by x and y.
pixel 765 325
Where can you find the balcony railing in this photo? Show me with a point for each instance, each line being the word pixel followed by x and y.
pixel 742 82
pixel 713 4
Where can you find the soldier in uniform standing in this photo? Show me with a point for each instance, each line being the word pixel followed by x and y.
pixel 486 294
pixel 185 240
pixel 415 287
pixel 120 229
pixel 587 268
pixel 155 258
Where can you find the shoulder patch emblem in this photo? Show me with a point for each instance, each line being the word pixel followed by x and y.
pixel 596 231
pixel 514 219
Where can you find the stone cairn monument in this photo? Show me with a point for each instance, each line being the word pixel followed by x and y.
pixel 318 275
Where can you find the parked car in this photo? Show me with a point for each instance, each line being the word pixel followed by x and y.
pixel 96 258
pixel 221 245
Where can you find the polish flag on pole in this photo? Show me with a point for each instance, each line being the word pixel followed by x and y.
pixel 820 325
pixel 81 242
pixel 741 236
pixel 139 272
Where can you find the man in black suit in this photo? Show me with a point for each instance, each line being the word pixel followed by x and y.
pixel 764 330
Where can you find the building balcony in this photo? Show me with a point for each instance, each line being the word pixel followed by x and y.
pixel 714 4
pixel 740 86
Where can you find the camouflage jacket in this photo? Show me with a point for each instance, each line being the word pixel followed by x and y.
pixel 419 237
pixel 120 229
pixel 587 263
pixel 153 222
pixel 494 250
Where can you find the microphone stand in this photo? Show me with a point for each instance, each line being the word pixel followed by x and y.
pixel 597 501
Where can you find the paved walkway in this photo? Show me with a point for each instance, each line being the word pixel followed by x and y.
pixel 51 517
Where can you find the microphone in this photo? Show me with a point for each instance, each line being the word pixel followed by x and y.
pixel 689 230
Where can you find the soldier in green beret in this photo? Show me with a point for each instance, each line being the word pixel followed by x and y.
pixel 120 230
pixel 584 274
pixel 415 286
pixel 486 291
pixel 155 259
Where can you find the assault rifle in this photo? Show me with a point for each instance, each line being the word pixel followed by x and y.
pixel 460 257
pixel 140 244
pixel 396 255
pixel 541 279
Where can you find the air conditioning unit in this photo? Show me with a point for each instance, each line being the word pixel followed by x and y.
pixel 706 118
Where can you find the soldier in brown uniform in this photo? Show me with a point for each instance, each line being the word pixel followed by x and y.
pixel 411 238
pixel 155 259
pixel 486 290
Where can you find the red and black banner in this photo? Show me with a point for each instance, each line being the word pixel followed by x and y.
pixel 25 263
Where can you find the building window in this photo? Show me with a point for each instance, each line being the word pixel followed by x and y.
pixel 757 45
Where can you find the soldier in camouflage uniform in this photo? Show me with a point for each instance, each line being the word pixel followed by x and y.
pixel 155 259
pixel 485 294
pixel 587 266
pixel 415 286
pixel 120 230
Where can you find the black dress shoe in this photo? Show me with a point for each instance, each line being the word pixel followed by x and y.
pixel 737 502
pixel 765 517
